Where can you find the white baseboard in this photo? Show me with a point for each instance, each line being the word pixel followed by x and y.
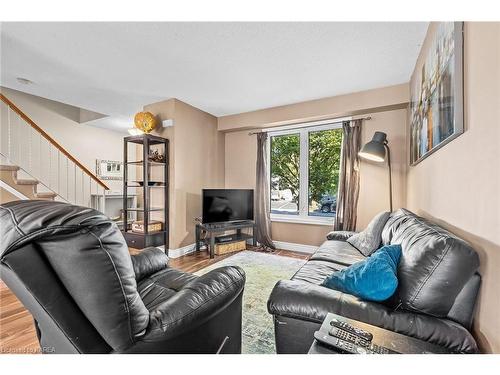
pixel 309 249
pixel 176 253
pixel 188 249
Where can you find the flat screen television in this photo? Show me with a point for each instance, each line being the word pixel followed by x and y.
pixel 227 205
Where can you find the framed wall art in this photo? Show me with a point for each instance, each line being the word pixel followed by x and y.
pixel 109 169
pixel 436 89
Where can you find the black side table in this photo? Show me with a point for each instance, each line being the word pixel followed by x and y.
pixel 213 229
pixel 382 337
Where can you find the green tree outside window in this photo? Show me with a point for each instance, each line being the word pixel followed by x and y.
pixel 324 164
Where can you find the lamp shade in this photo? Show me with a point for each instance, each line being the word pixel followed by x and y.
pixel 375 149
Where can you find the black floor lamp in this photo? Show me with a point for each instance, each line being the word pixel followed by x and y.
pixel 375 150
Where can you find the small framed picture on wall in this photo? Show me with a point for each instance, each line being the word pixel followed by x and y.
pixel 109 169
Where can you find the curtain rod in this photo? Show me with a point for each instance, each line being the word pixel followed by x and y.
pixel 313 123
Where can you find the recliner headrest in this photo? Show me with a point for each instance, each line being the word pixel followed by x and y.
pixel 89 255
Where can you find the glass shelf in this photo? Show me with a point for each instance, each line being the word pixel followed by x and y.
pixel 146 209
pixel 150 184
pixel 140 162
pixel 149 233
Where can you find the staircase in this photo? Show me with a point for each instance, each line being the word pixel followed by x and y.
pixel 35 166
pixel 28 187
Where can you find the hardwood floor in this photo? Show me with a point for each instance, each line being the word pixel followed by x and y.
pixel 17 333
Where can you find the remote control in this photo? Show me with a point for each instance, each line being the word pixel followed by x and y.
pixel 349 347
pixel 347 336
pixel 376 349
pixel 351 329
pixel 337 343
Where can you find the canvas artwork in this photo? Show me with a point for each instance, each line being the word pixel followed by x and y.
pixel 436 113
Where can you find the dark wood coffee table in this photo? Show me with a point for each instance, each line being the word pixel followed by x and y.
pixel 382 337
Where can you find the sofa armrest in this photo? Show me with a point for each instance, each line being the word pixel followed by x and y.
pixel 302 300
pixel 340 235
pixel 310 302
pixel 149 261
pixel 197 302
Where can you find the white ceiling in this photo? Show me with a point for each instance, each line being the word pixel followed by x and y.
pixel 221 68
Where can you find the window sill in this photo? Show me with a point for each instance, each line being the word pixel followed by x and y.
pixel 327 221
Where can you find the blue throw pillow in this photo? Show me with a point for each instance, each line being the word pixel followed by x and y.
pixel 373 279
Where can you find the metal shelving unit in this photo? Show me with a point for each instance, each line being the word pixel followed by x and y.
pixel 145 186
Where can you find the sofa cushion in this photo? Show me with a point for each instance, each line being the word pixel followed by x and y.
pixel 369 240
pixel 309 302
pixel 340 235
pixel 315 271
pixel 373 279
pixel 148 261
pixel 435 265
pixel 161 286
pixel 339 252
pixel 195 302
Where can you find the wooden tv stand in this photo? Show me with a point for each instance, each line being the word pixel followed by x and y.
pixel 213 229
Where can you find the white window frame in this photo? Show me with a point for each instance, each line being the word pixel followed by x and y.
pixel 303 130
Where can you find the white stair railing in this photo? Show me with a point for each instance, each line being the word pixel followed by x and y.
pixel 24 144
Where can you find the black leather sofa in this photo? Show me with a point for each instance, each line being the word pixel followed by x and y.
pixel 71 268
pixel 438 286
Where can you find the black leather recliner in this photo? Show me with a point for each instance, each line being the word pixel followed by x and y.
pixel 71 268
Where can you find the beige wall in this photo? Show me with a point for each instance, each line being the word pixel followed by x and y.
pixel 197 162
pixel 240 158
pixel 459 185
pixel 381 99
pixel 60 121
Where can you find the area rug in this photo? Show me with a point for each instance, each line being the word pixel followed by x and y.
pixel 262 272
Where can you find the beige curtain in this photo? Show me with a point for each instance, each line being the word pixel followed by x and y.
pixel 262 205
pixel 348 193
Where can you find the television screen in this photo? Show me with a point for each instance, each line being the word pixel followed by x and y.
pixel 225 205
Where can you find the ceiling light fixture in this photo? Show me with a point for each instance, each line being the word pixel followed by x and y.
pixel 24 81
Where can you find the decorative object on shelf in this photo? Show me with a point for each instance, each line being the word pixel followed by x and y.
pixel 376 150
pixel 156 156
pixel 145 121
pixel 154 226
pixel 436 87
pixel 109 169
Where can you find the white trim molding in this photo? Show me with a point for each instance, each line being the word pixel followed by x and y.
pixel 181 251
pixel 177 253
pixel 308 124
pixel 314 220
pixel 309 249
pixel 301 216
